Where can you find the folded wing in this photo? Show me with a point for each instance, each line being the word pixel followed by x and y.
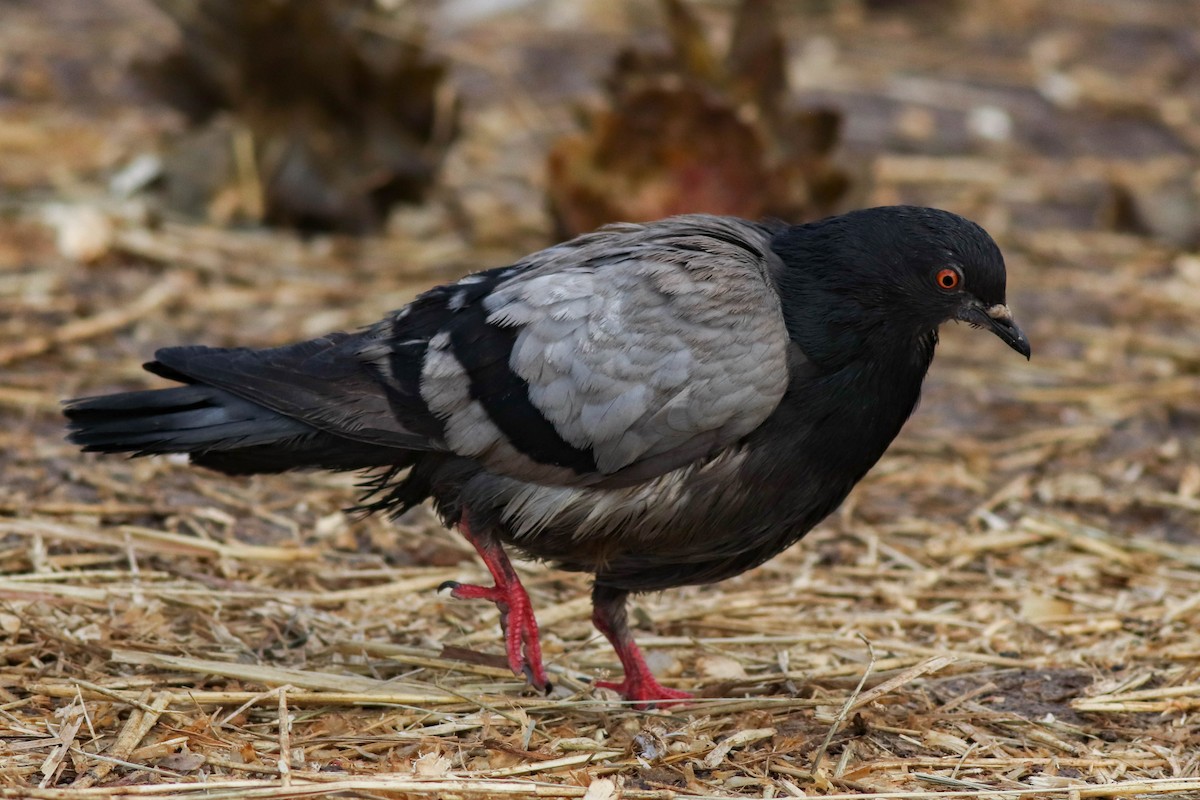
pixel 606 361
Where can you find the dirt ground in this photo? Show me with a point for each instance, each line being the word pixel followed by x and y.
pixel 1009 604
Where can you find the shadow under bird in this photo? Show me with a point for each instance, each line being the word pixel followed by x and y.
pixel 660 404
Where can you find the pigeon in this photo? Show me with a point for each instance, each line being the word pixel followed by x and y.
pixel 657 404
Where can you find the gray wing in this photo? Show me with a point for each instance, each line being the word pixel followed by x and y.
pixel 612 358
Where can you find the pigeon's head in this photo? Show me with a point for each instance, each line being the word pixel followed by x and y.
pixel 901 270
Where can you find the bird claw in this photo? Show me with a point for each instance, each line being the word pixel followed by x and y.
pixel 546 688
pixel 646 692
pixel 522 644
pixel 469 591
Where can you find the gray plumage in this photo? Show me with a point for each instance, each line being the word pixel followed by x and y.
pixel 647 345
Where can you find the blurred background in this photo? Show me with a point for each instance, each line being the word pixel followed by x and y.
pixel 252 173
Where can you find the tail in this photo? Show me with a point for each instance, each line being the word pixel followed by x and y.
pixel 215 429
pixel 252 411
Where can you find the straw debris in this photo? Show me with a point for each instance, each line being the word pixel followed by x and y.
pixel 1023 565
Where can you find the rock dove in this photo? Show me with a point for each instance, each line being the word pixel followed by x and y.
pixel 659 404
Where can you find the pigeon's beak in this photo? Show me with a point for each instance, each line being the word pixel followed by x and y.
pixel 998 319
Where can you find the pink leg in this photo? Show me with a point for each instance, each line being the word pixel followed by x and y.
pixel 608 615
pixel 516 612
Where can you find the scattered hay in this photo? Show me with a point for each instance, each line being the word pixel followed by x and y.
pixel 1023 566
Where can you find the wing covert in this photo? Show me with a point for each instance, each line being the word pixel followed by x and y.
pixel 612 358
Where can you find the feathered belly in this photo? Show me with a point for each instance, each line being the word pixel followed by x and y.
pixel 712 519
pixel 666 532
pixel 641 517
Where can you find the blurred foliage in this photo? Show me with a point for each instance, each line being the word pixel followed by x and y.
pixel 318 114
pixel 687 130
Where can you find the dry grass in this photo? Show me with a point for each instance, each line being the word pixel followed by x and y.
pixel 1007 607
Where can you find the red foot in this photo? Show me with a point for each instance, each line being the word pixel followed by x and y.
pixel 646 692
pixel 608 615
pixel 521 641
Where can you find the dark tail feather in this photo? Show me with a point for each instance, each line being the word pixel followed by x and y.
pixel 217 430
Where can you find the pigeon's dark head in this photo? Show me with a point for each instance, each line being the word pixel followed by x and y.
pixel 890 274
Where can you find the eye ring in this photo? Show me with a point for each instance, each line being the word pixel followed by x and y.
pixel 948 279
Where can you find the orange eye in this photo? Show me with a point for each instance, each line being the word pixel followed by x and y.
pixel 948 279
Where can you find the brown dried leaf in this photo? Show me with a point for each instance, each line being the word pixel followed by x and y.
pixel 184 761
pixel 648 163
pixel 327 136
pixel 691 48
pixel 756 58
pixel 686 134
